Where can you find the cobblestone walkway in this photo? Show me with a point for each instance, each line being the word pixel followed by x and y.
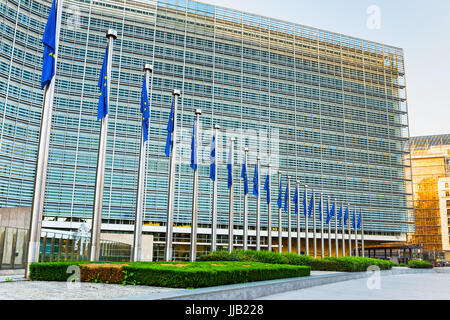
pixel 43 290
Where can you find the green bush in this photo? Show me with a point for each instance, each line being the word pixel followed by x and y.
pixel 298 260
pixel 350 264
pixel 220 256
pixel 261 256
pixel 175 274
pixel 343 264
pixel 51 271
pixel 419 264
pixel 207 274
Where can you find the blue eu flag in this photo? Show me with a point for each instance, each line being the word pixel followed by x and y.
pixel 267 188
pixel 194 147
pixel 340 216
pixel 346 216
pixel 244 176
pixel 280 195
pixel 359 219
pixel 286 198
pixel 332 212
pixel 354 219
pixel 295 199
pixel 49 41
pixel 102 110
pixel 304 204
pixel 145 110
pixel 328 213
pixel 255 182
pixel 320 209
pixel 170 128
pixel 212 158
pixel 311 206
pixel 229 168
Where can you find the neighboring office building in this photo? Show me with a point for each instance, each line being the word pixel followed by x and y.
pixel 430 159
pixel 328 109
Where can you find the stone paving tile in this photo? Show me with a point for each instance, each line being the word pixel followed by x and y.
pixel 45 290
pixel 426 286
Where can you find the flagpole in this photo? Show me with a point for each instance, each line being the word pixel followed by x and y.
pixel 314 225
pixel 299 249
pixel 214 204
pixel 356 237
pixel 343 229
pixel 322 247
pixel 329 227
pixel 306 222
pixel 137 241
pixel 289 215
pixel 34 237
pixel 171 188
pixel 258 208
pixel 231 202
pixel 269 214
pixel 280 221
pixel 245 230
pixel 193 254
pixel 362 235
pixel 349 231
pixel 336 232
pixel 100 176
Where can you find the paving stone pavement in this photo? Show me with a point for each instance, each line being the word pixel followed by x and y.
pixel 426 286
pixel 46 290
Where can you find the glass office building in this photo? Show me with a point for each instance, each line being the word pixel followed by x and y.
pixel 326 109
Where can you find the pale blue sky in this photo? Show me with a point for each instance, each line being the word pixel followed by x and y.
pixel 421 28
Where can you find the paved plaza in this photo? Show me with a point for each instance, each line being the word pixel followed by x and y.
pixel 426 286
pixel 13 286
pixel 434 285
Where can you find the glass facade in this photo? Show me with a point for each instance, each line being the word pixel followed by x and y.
pixel 326 109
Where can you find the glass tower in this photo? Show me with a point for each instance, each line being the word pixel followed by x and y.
pixel 326 109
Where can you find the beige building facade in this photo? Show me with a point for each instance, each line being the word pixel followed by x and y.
pixel 430 163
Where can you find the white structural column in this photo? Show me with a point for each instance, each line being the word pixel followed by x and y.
pixel 101 160
pixel 349 227
pixel 336 232
pixel 306 222
pixel 245 229
pixel 356 237
pixel 231 200
pixel 214 203
pixel 194 224
pixel 299 248
pixel 322 246
pixel 314 225
pixel 171 190
pixel 343 229
pixel 289 215
pixel 258 207
pixel 137 241
pixel 362 235
pixel 34 237
pixel 329 227
pixel 280 220
pixel 269 212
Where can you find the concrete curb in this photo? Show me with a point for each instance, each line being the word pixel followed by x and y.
pixel 254 290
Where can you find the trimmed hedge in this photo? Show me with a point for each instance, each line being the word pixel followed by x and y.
pixel 419 264
pixel 51 271
pixel 344 264
pixel 207 274
pixel 169 274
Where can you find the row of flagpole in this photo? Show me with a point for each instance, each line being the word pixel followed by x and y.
pixel 342 219
pixel 51 41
